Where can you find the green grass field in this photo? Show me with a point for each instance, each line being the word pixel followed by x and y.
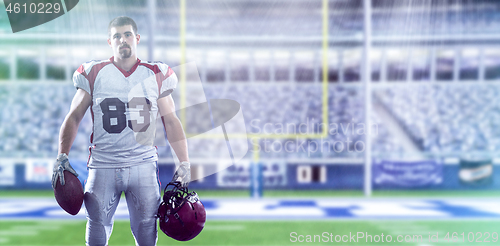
pixel 71 232
pixel 273 232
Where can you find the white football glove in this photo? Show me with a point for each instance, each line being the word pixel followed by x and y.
pixel 62 163
pixel 183 174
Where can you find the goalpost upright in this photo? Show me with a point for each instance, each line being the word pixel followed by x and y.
pixel 255 138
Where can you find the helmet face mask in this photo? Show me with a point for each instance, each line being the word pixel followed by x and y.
pixel 182 215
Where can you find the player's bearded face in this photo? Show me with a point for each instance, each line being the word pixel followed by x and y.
pixel 125 50
pixel 123 41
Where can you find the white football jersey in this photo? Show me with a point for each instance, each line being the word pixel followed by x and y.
pixel 124 109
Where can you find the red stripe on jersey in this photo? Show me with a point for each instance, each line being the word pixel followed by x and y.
pixel 92 115
pixel 92 75
pixel 126 73
pixel 88 160
pixel 81 70
pixel 160 77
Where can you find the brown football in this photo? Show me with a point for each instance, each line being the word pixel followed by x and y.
pixel 70 195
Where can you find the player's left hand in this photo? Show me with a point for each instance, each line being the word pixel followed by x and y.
pixel 183 174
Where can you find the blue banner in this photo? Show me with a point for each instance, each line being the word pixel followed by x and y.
pixel 407 174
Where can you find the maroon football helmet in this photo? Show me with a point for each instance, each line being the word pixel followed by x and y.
pixel 182 215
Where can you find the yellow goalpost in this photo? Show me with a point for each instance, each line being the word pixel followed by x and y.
pixel 255 138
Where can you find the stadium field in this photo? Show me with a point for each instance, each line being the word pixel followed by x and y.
pixel 222 232
pixel 335 231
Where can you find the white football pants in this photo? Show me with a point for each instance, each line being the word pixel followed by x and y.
pixel 102 194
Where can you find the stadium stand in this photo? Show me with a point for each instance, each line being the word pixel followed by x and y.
pixel 32 114
pixel 447 118
pixel 30 119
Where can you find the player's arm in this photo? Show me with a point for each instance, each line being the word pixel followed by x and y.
pixel 67 134
pixel 176 138
pixel 69 128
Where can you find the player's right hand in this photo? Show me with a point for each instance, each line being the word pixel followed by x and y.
pixel 62 163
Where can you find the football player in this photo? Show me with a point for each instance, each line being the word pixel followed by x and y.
pixel 125 95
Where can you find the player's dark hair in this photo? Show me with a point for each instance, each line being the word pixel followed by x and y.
pixel 122 21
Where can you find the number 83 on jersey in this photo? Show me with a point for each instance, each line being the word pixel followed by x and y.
pixel 114 118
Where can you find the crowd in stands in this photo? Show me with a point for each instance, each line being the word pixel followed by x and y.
pixel 438 118
pixel 447 118
pixel 32 114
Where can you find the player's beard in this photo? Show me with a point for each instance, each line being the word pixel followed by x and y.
pixel 125 53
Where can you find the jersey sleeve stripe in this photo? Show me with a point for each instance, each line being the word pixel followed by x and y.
pixel 160 77
pixel 92 75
